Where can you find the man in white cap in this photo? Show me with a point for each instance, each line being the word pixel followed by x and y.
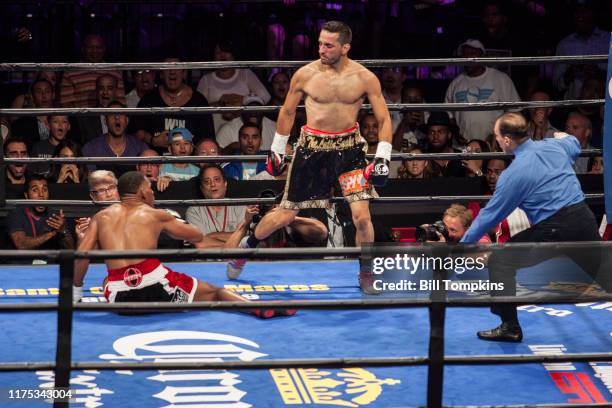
pixel 478 83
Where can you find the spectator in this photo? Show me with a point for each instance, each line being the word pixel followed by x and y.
pixel 279 83
pixel 440 129
pixel 298 20
pixel 144 81
pixel 493 170
pixel 369 130
pixel 206 147
pixel 172 92
pixel 227 136
pixel 151 170
pixel 115 143
pixel 474 167
pixel 392 83
pixel 215 222
pixel 580 126
pixel 15 148
pixel 27 100
pixel 180 143
pixel 596 165
pixel 91 127
pixel 68 173
pixel 593 88
pixel 478 83
pixel 102 188
pixel 59 126
pixel 501 39
pixel 586 40
pixel 412 169
pixel 228 86
pixel 496 34
pixel 517 221
pixel 539 127
pixel 408 134
pixel 250 143
pixel 35 128
pixel 78 87
pixel 37 227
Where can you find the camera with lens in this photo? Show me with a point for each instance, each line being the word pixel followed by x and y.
pixel 429 232
pixel 264 208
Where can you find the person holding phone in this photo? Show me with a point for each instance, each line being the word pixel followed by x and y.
pixel 38 227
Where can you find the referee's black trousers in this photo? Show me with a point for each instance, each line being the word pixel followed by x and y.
pixel 572 223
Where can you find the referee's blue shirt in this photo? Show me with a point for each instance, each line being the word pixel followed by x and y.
pixel 541 180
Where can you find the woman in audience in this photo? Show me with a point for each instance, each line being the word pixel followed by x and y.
pixel 596 165
pixel 474 167
pixel 68 173
pixel 412 169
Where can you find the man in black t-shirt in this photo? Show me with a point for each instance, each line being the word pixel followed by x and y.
pixel 173 92
pixel 59 126
pixel 38 227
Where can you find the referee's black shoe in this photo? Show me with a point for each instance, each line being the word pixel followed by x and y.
pixel 507 331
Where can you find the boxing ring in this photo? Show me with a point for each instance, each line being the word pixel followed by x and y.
pixel 381 343
pixel 343 348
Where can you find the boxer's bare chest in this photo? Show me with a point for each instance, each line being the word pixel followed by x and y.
pixel 327 88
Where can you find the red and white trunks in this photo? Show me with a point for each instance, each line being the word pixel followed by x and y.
pixel 149 281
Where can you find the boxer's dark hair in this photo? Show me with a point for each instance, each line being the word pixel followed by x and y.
pixel 346 35
pixel 130 183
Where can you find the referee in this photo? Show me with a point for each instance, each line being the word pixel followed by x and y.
pixel 542 182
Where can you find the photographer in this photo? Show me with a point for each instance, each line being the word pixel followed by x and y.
pixel 302 232
pixel 38 227
pixel 455 222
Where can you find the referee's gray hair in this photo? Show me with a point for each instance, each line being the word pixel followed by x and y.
pixel 98 176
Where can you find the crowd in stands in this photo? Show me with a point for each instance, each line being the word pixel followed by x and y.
pixel 176 134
